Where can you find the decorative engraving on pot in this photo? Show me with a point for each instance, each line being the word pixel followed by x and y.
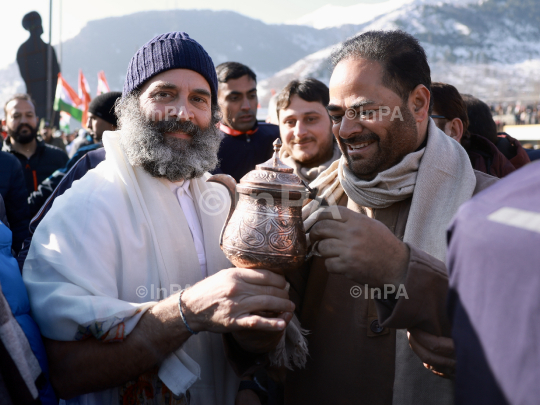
pixel 264 227
pixel 271 177
pixel 262 233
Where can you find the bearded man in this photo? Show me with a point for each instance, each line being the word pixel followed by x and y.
pixel 398 184
pixel 147 228
pixel 38 159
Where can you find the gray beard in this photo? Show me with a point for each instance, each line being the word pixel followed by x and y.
pixel 146 145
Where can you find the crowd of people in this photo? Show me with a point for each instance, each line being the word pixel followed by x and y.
pixel 114 288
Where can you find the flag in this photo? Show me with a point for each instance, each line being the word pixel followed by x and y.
pixel 102 86
pixel 67 100
pixel 64 121
pixel 84 95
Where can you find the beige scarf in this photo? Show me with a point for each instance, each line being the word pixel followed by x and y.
pixel 440 178
pixel 308 174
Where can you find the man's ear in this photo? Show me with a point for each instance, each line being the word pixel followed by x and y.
pixel 419 103
pixel 455 128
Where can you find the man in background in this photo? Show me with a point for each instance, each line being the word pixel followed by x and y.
pixel 46 133
pixel 450 115
pixel 101 118
pixel 37 159
pixel 309 146
pixel 481 123
pixel 245 142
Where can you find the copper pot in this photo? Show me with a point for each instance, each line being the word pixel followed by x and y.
pixel 264 229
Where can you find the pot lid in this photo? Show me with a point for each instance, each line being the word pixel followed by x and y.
pixel 273 175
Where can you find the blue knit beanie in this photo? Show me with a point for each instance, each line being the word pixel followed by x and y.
pixel 174 50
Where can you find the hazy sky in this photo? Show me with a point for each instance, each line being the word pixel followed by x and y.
pixel 76 13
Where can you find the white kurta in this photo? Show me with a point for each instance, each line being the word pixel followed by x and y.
pixel 113 244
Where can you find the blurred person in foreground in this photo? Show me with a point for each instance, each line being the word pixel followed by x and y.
pixel 481 123
pixel 493 265
pixel 101 118
pixel 38 159
pixel 309 146
pixel 245 142
pixel 24 374
pixel 450 115
pixel 379 223
pixel 135 297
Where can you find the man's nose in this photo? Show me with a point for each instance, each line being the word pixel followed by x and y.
pixel 300 129
pixel 181 111
pixel 245 104
pixel 349 126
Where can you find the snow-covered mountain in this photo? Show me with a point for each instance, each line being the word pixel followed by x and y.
pixel 489 48
pixel 336 16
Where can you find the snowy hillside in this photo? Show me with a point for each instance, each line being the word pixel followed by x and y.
pixel 490 49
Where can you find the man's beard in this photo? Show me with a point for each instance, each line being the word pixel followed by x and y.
pixel 399 141
pixel 146 145
pixel 23 139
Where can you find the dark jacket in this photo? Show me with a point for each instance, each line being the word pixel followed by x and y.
pixel 352 341
pixel 88 162
pixel 13 191
pixel 494 281
pixel 485 157
pixel 15 293
pixel 47 186
pixel 512 149
pixel 239 154
pixel 45 160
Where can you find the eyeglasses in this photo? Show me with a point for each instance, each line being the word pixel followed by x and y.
pixel 438 116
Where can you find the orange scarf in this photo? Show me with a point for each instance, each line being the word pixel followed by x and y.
pixel 234 132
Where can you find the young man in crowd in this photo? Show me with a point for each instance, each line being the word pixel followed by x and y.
pixel 101 118
pixel 400 183
pixel 245 142
pixel 450 115
pixel 144 231
pixel 38 159
pixel 309 146
pixel 46 133
pixel 481 123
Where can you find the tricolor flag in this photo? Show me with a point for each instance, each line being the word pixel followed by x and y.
pixel 84 95
pixel 67 100
pixel 102 85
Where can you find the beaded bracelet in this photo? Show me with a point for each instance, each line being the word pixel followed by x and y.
pixel 182 313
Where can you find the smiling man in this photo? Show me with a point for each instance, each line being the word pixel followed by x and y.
pixel 135 296
pixel 38 159
pixel 245 142
pixel 305 128
pixel 398 184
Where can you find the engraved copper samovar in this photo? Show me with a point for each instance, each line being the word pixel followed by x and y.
pixel 264 229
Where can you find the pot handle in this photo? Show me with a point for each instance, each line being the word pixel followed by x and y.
pixel 230 184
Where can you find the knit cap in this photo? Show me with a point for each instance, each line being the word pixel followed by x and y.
pixel 174 50
pixel 102 106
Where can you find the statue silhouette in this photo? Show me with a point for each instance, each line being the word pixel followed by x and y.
pixel 32 61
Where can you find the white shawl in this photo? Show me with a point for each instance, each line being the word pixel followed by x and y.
pixel 101 255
